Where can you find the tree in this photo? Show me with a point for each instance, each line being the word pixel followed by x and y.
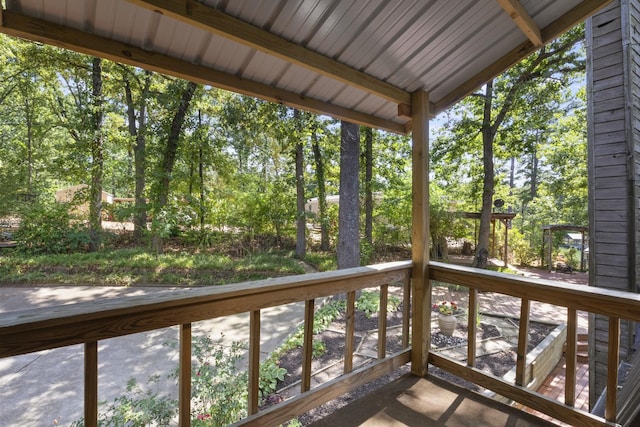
pixel 301 222
pixel 167 162
pixel 348 249
pixel 368 185
pixel 492 115
pixel 322 192
pixel 97 156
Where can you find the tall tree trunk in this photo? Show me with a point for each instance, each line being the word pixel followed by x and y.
pixel 29 120
pixel 168 159
pixel 534 173
pixel 482 250
pixel 97 160
pixel 368 191
pixel 201 173
pixel 349 209
pixel 322 193
pixel 139 151
pixel 301 221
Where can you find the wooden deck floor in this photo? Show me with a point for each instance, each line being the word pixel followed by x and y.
pixel 414 401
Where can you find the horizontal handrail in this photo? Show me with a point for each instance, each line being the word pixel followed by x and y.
pixel 579 297
pixel 38 329
pixel 614 304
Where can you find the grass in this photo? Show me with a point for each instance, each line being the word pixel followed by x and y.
pixel 127 267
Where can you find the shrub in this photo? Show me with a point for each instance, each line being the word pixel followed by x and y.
pixel 48 228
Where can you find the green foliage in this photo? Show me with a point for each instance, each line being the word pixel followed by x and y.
pixel 523 252
pixel 48 228
pixel 137 408
pixel 369 302
pixel 270 374
pixel 218 389
pixel 322 261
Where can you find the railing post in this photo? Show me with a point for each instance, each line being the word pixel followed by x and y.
pixel 571 357
pixel 184 399
pixel 91 384
pixel 406 311
pixel 350 328
pixel 421 313
pixel 472 327
pixel 307 346
pixel 612 368
pixel 382 321
pixel 254 361
pixel 523 342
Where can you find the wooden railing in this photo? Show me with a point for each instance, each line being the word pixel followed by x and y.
pixel 614 304
pixel 33 330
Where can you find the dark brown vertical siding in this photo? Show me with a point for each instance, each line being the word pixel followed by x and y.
pixel 613 87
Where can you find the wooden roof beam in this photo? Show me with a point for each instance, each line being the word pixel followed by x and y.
pixel 216 22
pixel 522 19
pixel 19 25
pixel 552 31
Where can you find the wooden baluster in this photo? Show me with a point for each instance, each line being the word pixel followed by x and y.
pixel 91 384
pixel 254 361
pixel 184 399
pixel 612 369
pixel 307 346
pixel 472 327
pixel 350 332
pixel 406 311
pixel 571 357
pixel 523 342
pixel 382 321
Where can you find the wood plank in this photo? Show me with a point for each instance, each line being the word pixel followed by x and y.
pixel 572 17
pixel 350 327
pixel 472 329
pixel 217 22
pixel 91 384
pixel 254 362
pixel 382 321
pixel 307 346
pixel 523 20
pixel 17 25
pixel 595 300
pixel 523 342
pixel 330 390
pixel 571 358
pixel 406 312
pixel 184 387
pixel 521 395
pixel 73 324
pixel 612 368
pixel 421 290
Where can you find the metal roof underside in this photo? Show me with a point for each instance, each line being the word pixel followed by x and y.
pixel 357 60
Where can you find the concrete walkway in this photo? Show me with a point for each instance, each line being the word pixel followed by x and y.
pixel 46 388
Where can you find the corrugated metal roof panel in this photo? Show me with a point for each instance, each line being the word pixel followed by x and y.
pixel 435 45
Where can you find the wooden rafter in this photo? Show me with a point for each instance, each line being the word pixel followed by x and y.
pixel 552 31
pixel 522 19
pixel 219 23
pixel 18 25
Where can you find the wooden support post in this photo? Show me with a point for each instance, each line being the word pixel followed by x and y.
pixel 184 388
pixel 382 321
pixel 505 251
pixel 254 361
pixel 350 329
pixel 472 327
pixel 307 346
pixel 406 311
pixel 571 357
pixel 421 314
pixel 523 342
pixel 91 384
pixel 612 369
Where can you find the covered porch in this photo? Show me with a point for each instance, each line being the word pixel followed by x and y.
pixel 422 60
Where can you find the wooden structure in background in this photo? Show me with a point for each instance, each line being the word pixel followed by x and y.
pixel 547 236
pixel 613 90
pixel 505 219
